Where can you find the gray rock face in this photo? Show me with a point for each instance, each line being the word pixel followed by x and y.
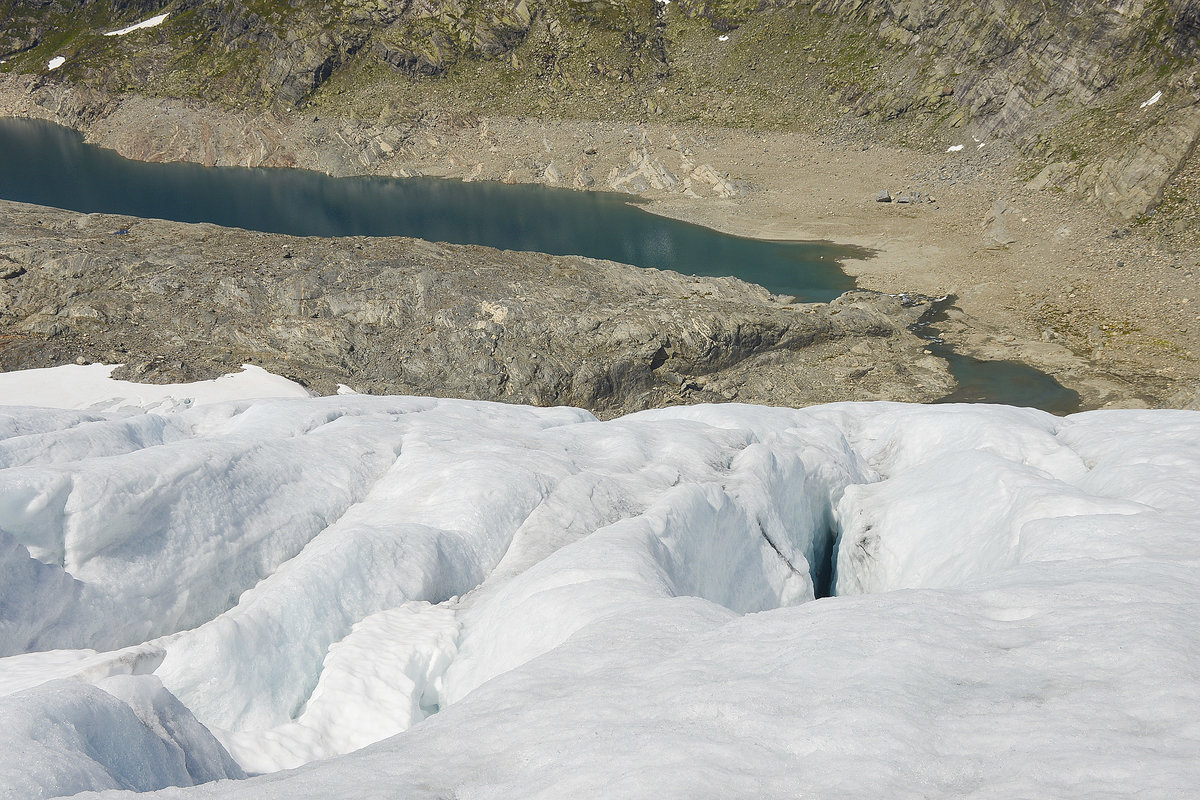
pixel 995 225
pixel 1004 70
pixel 1132 182
pixel 174 301
pixel 1010 60
pixel 1016 68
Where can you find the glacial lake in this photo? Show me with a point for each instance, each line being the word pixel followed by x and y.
pixel 49 165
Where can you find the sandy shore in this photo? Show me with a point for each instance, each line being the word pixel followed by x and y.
pixel 1109 309
pixel 1038 278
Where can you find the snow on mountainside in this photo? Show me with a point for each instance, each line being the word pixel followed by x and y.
pixel 525 602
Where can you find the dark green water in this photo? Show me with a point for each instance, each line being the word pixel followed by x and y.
pixel 1007 382
pixel 49 165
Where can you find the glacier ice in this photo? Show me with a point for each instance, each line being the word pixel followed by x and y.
pixel 390 596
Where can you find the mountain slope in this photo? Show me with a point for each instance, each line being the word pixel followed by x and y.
pixel 1055 77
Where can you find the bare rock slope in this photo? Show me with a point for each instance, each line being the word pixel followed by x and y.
pixel 1056 78
pixel 403 316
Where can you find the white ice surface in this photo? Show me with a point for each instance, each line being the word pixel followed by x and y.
pixel 153 22
pixel 522 602
pixel 125 732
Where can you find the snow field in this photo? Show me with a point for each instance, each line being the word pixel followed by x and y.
pixel 622 609
pixel 92 387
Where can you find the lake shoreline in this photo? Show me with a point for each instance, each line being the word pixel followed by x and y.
pixel 1016 259
pixel 178 302
pixel 51 166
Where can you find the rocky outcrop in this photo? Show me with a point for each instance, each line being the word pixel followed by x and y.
pixel 251 53
pixel 1131 183
pixel 1001 64
pixel 1019 68
pixel 1012 70
pixel 26 24
pixel 176 301
pixel 1005 61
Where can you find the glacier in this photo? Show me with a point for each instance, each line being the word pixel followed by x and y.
pixel 232 589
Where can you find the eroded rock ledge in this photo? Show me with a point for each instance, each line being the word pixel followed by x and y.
pixel 394 315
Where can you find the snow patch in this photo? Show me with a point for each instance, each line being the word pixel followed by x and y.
pixel 55 62
pixel 153 22
pixel 1157 96
pixel 91 387
pixel 954 148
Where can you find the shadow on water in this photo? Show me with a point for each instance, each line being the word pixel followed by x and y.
pixel 1005 382
pixel 49 165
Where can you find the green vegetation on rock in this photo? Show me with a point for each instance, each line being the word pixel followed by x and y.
pixel 1062 80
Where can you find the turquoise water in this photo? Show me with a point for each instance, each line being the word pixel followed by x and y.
pixel 52 166
pixel 49 165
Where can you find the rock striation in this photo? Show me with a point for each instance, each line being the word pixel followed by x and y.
pixel 1062 80
pixel 403 316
